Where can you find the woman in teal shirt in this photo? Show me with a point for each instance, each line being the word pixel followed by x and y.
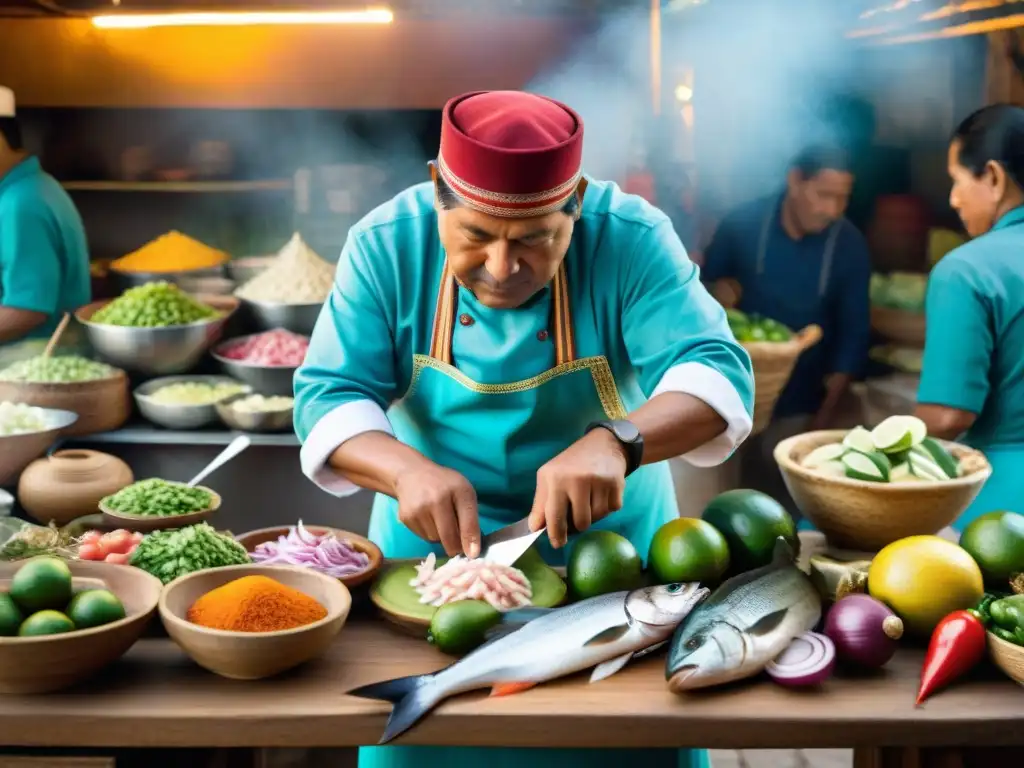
pixel 972 384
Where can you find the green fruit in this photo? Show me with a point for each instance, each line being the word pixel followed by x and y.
pixel 10 616
pixel 46 623
pixel 42 583
pixel 735 317
pixel 996 542
pixel 756 333
pixel 603 562
pixel 779 335
pixel 751 522
pixel 459 627
pixel 871 467
pixel 688 549
pixel 94 608
pixel 945 461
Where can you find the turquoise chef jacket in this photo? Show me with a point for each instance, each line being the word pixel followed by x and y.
pixel 974 353
pixel 822 279
pixel 44 256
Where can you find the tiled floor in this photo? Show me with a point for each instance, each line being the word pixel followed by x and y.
pixel 782 758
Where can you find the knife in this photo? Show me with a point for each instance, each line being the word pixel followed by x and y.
pixel 506 545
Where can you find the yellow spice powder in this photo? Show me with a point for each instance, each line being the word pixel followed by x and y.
pixel 173 252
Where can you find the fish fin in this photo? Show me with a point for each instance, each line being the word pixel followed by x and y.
pixel 412 699
pixel 766 624
pixel 782 553
pixel 507 689
pixel 525 615
pixel 609 635
pixel 649 649
pixel 610 667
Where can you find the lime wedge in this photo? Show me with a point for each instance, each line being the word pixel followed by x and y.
pixel 933 449
pixel 823 454
pixel 859 439
pixel 831 469
pixel 898 433
pixel 923 467
pixel 901 474
pixel 873 467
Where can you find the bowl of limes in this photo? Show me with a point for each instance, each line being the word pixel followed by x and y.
pixel 62 621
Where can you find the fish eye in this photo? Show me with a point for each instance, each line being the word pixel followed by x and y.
pixel 673 588
pixel 694 643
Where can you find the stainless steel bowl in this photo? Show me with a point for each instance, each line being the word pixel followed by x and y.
pixel 125 280
pixel 156 351
pixel 179 416
pixel 216 286
pixel 267 421
pixel 245 269
pixel 297 318
pixel 18 451
pixel 266 380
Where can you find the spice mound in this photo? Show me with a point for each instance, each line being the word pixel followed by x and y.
pixel 170 554
pixel 154 305
pixel 196 393
pixel 65 369
pixel 255 604
pixel 322 552
pixel 504 587
pixel 271 349
pixel 173 252
pixel 21 419
pixel 158 498
pixel 296 276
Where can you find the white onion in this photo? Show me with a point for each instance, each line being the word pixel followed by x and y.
pixel 321 552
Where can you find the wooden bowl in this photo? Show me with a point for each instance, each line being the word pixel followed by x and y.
pixel 102 405
pixel 146 523
pixel 864 516
pixel 253 539
pixel 43 664
pixel 253 655
pixel 1007 656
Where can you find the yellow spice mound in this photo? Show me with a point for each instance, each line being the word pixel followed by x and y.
pixel 173 252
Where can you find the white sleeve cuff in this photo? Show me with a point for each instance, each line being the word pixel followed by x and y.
pixel 707 384
pixel 343 423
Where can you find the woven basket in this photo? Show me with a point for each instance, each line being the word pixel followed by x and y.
pixel 773 365
pixel 102 405
pixel 1007 656
pixel 899 326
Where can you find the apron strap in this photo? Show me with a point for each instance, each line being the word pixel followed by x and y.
pixel 448 302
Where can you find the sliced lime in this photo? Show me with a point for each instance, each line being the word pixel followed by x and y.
pixel 898 433
pixel 831 469
pixel 934 450
pixel 859 439
pixel 823 454
pixel 901 474
pixel 873 467
pixel 923 467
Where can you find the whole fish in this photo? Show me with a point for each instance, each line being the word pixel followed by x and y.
pixel 534 645
pixel 748 621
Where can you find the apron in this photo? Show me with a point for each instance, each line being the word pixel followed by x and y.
pixel 498 436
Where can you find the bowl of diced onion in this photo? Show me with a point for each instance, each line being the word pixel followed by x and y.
pixel 26 433
pixel 257 413
pixel 866 488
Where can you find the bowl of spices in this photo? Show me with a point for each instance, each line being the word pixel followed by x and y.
pixel 172 257
pixel 154 504
pixel 267 361
pixel 257 413
pixel 248 622
pixel 186 402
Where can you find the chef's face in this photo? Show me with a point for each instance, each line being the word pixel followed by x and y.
pixel 819 200
pixel 979 200
pixel 503 261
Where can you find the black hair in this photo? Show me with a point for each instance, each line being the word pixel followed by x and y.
pixel 448 200
pixel 814 159
pixel 993 134
pixel 10 130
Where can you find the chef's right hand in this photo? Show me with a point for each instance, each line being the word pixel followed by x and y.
pixel 439 504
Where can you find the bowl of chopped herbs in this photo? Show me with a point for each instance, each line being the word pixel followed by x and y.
pixel 154 504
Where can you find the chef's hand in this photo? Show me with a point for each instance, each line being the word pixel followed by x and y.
pixel 586 480
pixel 439 504
pixel 727 292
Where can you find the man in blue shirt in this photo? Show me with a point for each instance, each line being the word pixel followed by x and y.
pixel 793 257
pixel 44 257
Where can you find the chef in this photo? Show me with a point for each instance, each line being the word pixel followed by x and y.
pixel 512 338
pixel 44 257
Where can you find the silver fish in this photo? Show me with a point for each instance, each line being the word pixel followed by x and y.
pixel 747 622
pixel 534 645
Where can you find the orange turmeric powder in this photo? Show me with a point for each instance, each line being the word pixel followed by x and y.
pixel 255 604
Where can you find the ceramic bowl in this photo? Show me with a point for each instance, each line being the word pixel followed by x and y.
pixel 1007 656
pixel 253 655
pixel 102 405
pixel 146 523
pixel 253 539
pixel 68 484
pixel 18 451
pixel 49 663
pixel 863 516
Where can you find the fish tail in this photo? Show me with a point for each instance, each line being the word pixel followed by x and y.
pixel 412 698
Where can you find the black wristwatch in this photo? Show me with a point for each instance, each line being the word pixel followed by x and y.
pixel 627 434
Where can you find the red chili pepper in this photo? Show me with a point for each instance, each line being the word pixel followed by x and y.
pixel 957 644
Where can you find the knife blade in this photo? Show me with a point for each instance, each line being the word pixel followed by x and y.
pixel 506 545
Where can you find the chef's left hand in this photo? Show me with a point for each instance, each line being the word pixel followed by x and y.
pixel 585 480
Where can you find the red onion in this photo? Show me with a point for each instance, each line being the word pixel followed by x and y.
pixel 808 660
pixel 864 630
pixel 321 552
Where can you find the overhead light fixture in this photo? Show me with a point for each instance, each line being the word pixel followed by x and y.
pixel 241 18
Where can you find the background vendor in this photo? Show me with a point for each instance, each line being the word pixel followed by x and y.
pixel 44 256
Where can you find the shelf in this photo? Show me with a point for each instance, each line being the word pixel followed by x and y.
pixel 209 187
pixel 144 434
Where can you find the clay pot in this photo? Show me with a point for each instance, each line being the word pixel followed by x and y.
pixel 70 484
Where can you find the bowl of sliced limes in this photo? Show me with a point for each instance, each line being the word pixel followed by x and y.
pixel 866 488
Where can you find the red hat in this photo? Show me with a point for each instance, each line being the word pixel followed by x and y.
pixel 509 153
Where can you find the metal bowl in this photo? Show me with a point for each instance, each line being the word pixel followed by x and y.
pixel 264 379
pixel 267 421
pixel 180 416
pixel 297 318
pixel 18 451
pixel 122 281
pixel 245 269
pixel 214 286
pixel 156 351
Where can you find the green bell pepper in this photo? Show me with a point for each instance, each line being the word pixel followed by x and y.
pixel 1008 614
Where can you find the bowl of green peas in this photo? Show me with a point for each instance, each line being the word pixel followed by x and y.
pixel 155 504
pixel 155 329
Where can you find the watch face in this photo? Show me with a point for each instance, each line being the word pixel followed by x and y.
pixel 627 431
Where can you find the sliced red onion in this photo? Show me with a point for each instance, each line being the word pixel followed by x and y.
pixel 808 660
pixel 322 552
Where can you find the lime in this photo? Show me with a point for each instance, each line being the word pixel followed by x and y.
pixel 996 542
pixel 931 448
pixel 872 467
pixel 859 439
pixel 42 583
pixel 756 333
pixel 751 522
pixel 46 623
pixel 899 433
pixel 95 607
pixel 735 317
pixel 779 335
pixel 459 627
pixel 10 616
pixel 688 549
pixel 823 454
pixel 603 562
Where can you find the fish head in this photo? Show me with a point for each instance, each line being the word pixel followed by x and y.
pixel 664 606
pixel 704 653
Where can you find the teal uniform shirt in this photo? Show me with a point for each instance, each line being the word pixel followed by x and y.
pixel 974 353
pixel 44 256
